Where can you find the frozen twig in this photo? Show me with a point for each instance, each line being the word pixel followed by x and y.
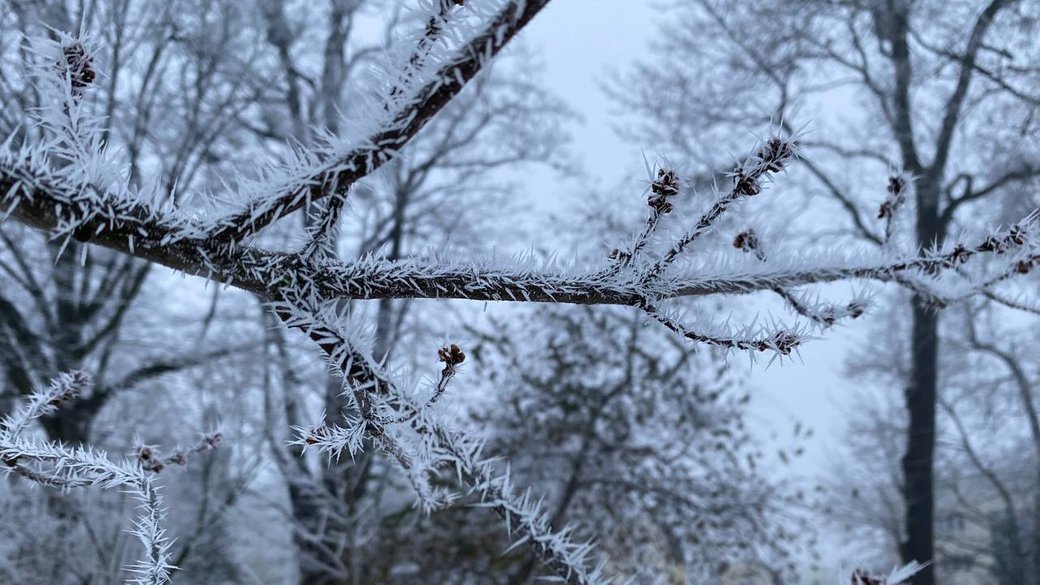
pixel 56 465
pixel 663 187
pixel 747 177
pixel 782 341
pixel 341 172
pixel 893 202
pixel 822 315
pixel 374 393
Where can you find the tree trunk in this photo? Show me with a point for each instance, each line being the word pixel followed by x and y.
pixel 921 396
pixel 918 481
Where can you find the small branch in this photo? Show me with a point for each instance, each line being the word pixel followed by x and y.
pixel 665 185
pixel 825 315
pixel 64 388
pixel 344 171
pixel 434 27
pixel 781 342
pixel 892 204
pixel 55 465
pixel 771 158
pixel 1012 303
pixel 150 459
pixel 374 392
pixel 322 235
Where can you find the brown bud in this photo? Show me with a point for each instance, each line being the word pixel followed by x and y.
pixel 775 153
pixel 785 343
pixel 856 309
pixel 886 210
pixel 316 435
pixel 451 355
pixel 960 254
pixel 992 244
pixel 666 184
pixel 213 441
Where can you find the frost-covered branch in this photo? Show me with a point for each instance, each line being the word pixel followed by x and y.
pixel 664 186
pixel 322 234
pixel 382 402
pixel 56 465
pixel 781 341
pixel 64 388
pixel 435 25
pixel 893 202
pixel 411 107
pixel 151 459
pixel 46 198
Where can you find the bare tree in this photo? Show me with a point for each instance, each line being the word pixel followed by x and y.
pixel 986 457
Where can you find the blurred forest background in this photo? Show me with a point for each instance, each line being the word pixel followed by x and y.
pixel 664 450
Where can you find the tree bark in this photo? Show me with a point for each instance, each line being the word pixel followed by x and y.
pixel 917 463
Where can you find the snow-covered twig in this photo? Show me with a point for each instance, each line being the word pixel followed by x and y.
pixel 747 177
pixel 64 388
pixel 341 172
pixel 322 234
pixel 56 465
pixel 664 186
pixel 824 315
pixel 893 202
pixel 781 341
pixel 375 393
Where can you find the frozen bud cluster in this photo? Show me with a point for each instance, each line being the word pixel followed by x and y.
pixel 664 186
pixel 746 241
pixel 451 355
